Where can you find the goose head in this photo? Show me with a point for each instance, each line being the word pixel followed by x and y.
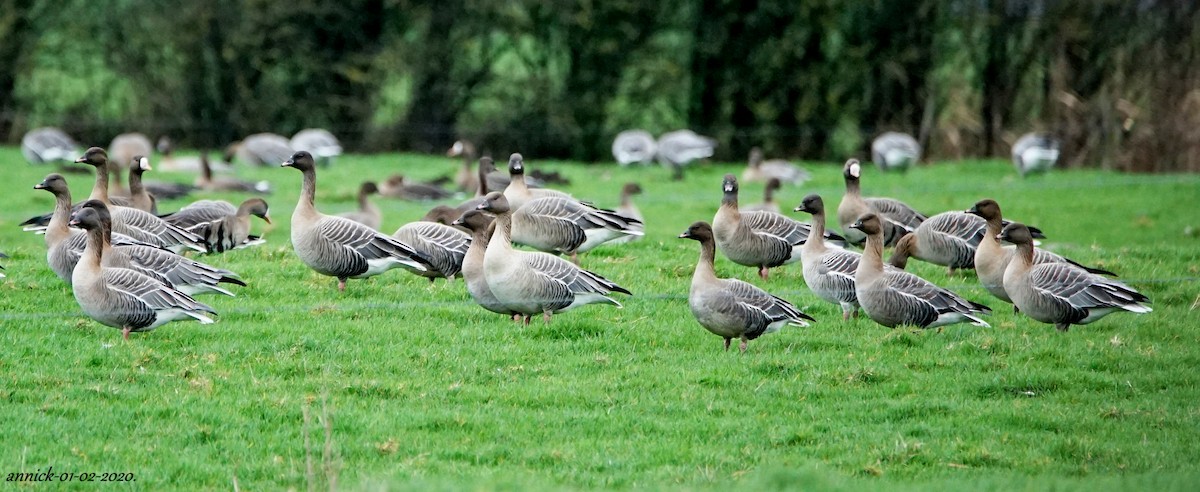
pixel 729 185
pixel 368 188
pixel 140 164
pixel 986 208
pixel 516 164
pixel 256 207
pixel 91 214
pixel 631 189
pixel 1015 233
pixel 94 156
pixel 54 183
pixel 300 160
pixel 494 202
pixel 869 224
pixel 698 231
pixel 812 204
pixel 852 171
pixel 475 220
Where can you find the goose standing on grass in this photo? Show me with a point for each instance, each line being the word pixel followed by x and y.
pixel 759 170
pixel 629 209
pixel 632 146
pixel 319 142
pixel 991 258
pixel 1060 293
pixel 756 239
pixel 518 191
pixel 368 213
pixel 897 217
pixel 894 297
pixel 139 197
pixel 444 246
pixel 829 272
pixel 731 308
pixel 895 151
pixel 135 223
pixel 207 182
pixel 189 276
pixel 949 239
pixel 529 283
pixel 482 226
pixel 768 204
pixel 120 297
pixel 679 148
pixel 339 247
pixel 1035 152
pixel 48 144
pixel 223 226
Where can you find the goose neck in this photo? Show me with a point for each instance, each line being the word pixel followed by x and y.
pixel 705 266
pixel 100 188
pixel 873 252
pixel 57 229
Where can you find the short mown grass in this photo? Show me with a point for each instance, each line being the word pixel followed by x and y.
pixel 401 384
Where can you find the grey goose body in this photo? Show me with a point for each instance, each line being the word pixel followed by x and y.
pixel 892 297
pixel 123 298
pixel 1062 294
pixel 678 148
pixel 339 247
pixel 897 217
pixel 731 308
pixel 566 225
pixel 529 283
pixel 319 142
pixel 442 246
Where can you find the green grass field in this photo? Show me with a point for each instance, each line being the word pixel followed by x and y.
pixel 399 384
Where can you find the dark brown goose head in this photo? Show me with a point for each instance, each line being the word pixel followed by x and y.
pixel 494 202
pixel 869 224
pixel 698 231
pixel 852 171
pixel 474 220
pixel 1015 233
pixel 812 204
pixel 300 160
pixel 986 208
pixel 631 189
pixel 54 183
pixel 94 156
pixel 139 164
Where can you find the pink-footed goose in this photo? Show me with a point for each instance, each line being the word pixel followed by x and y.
pixel 731 308
pixel 892 297
pixel 132 222
pixel 123 298
pixel 1062 294
pixel 339 247
pixel 757 239
pixel 992 258
pixel 828 272
pixel 529 283
pixel 897 217
pixel 628 208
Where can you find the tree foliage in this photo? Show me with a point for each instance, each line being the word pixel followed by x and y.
pixel 1115 80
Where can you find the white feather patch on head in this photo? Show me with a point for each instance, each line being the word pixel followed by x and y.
pixel 855 170
pixel 145 164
